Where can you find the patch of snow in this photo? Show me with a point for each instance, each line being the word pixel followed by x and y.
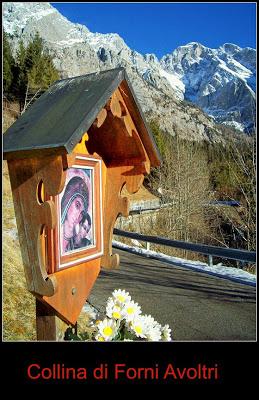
pixel 242 73
pixel 234 124
pixel 110 40
pixel 175 82
pixel 22 19
pixel 69 42
pixel 136 243
pixel 219 270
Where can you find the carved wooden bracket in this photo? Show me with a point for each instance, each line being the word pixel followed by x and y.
pixel 30 179
pixel 100 118
pixel 114 137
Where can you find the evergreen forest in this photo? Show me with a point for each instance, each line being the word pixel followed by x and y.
pixel 31 69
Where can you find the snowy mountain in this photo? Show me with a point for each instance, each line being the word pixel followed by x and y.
pixel 219 81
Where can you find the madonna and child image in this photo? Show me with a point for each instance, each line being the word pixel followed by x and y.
pixel 76 230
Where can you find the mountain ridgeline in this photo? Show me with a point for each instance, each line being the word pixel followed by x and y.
pixel 199 103
pixel 191 91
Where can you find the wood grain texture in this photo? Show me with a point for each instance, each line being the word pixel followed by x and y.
pixel 100 118
pixel 32 214
pixel 46 322
pixel 117 140
pixel 74 286
pixel 115 205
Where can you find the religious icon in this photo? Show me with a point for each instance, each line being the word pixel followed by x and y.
pixel 78 236
pixel 76 211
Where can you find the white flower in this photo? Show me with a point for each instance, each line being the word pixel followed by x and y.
pixel 152 329
pixel 153 334
pixel 137 326
pixel 125 322
pixel 131 310
pixel 107 329
pixel 166 333
pixel 149 321
pixel 114 310
pixel 121 295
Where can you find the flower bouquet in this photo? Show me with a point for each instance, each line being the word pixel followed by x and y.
pixel 123 321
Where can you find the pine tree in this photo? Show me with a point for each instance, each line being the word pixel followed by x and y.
pixel 33 70
pixel 41 71
pixel 20 72
pixel 42 74
pixel 34 52
pixel 8 64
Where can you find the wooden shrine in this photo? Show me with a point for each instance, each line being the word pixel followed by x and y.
pixel 69 157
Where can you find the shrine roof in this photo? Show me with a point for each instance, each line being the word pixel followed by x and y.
pixel 57 120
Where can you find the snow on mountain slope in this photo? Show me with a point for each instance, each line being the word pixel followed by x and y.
pixel 15 19
pixel 175 82
pixel 220 81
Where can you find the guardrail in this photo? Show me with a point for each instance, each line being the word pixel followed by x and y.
pixel 233 254
pixel 156 204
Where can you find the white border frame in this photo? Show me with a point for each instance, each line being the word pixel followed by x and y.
pixel 60 266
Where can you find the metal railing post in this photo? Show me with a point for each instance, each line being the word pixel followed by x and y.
pixel 210 260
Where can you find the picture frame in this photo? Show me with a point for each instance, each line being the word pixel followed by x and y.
pixel 78 236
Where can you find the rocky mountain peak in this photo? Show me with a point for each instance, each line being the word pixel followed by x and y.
pixel 220 81
pixel 230 48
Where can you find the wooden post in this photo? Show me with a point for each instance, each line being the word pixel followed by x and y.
pixel 46 322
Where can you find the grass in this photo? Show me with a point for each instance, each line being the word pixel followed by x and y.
pixel 18 303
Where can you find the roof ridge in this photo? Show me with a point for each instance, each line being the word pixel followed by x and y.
pixel 92 73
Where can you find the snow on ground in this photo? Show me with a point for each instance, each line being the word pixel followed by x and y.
pixel 220 270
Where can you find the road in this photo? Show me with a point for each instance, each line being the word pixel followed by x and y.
pixel 197 306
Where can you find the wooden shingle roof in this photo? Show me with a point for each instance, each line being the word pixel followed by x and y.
pixel 56 122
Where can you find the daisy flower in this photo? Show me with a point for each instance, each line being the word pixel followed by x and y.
pixel 152 329
pixel 137 326
pixel 121 295
pixel 107 329
pixel 153 334
pixel 166 333
pixel 131 310
pixel 114 310
pixel 149 320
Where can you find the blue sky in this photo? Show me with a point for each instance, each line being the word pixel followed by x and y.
pixel 161 27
